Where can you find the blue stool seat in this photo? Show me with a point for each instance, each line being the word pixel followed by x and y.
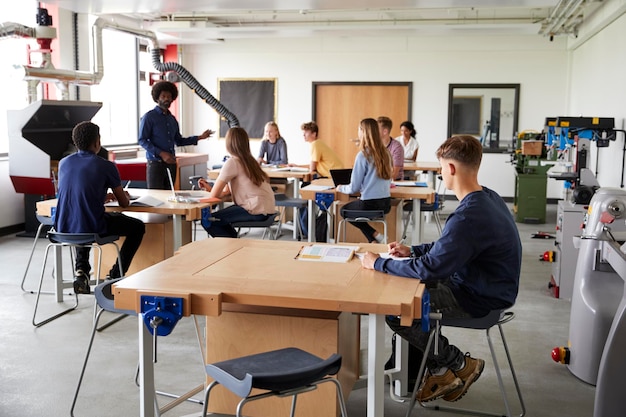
pixel 288 371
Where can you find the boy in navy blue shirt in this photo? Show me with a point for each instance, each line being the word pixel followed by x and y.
pixel 84 179
pixel 472 269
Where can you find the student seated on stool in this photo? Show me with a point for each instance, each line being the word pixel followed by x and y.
pixel 84 179
pixel 471 270
pixel 371 176
pixel 249 185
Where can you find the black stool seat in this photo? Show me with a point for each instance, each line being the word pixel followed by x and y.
pixel 278 370
pixel 352 215
pixel 263 223
pixel 81 238
pixel 482 323
pixel 283 201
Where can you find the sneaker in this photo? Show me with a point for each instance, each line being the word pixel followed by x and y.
pixel 81 283
pixel 468 374
pixel 436 386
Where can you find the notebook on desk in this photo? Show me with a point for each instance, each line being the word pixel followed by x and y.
pixel 341 176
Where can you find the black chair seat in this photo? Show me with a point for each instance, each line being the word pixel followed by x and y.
pixel 278 370
pixel 481 323
pixel 363 214
pixel 283 201
pixel 263 223
pixel 81 238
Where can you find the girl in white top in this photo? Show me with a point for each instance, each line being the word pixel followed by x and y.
pixel 249 185
pixel 408 141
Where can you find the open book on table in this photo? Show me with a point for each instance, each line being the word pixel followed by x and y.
pixel 326 253
pixel 291 169
pixel 142 201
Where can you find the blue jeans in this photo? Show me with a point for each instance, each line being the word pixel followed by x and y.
pixel 221 226
pixel 441 299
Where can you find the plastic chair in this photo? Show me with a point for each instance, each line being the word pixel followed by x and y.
pixel 356 216
pixel 72 240
pixel 106 302
pixel 283 201
pixel 266 224
pixel 494 318
pixel 282 372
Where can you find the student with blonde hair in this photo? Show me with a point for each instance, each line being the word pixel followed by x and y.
pixel 371 177
pixel 249 185
pixel 273 146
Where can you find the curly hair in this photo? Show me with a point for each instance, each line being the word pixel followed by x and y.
pixel 310 126
pixel 409 127
pixel 161 86
pixel 85 134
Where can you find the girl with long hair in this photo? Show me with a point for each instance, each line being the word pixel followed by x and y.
pixel 371 177
pixel 249 185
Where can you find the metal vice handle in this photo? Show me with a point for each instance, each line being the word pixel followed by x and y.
pixel 160 315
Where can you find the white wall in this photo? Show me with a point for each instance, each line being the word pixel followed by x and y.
pixel 599 89
pixel 431 63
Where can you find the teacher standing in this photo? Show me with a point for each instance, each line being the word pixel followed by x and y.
pixel 159 133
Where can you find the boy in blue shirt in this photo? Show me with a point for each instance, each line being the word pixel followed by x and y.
pixel 84 179
pixel 472 269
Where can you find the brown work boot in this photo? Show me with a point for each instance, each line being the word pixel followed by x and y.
pixel 436 386
pixel 468 374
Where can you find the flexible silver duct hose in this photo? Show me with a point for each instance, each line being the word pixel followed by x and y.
pixel 15 30
pixel 194 85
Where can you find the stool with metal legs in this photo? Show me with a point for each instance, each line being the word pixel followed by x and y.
pixel 283 201
pixel 106 302
pixel 44 222
pixel 71 240
pixel 494 318
pixel 266 224
pixel 356 216
pixel 283 372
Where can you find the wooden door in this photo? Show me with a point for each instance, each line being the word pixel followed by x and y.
pixel 339 107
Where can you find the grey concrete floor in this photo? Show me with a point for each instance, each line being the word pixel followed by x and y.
pixel 39 368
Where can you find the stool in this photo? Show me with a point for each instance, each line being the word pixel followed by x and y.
pixel 283 201
pixel 435 208
pixel 367 216
pixel 494 318
pixel 282 372
pixel 106 302
pixel 72 240
pixel 266 224
pixel 44 222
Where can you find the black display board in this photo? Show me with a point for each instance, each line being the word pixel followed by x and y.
pixel 466 113
pixel 252 100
